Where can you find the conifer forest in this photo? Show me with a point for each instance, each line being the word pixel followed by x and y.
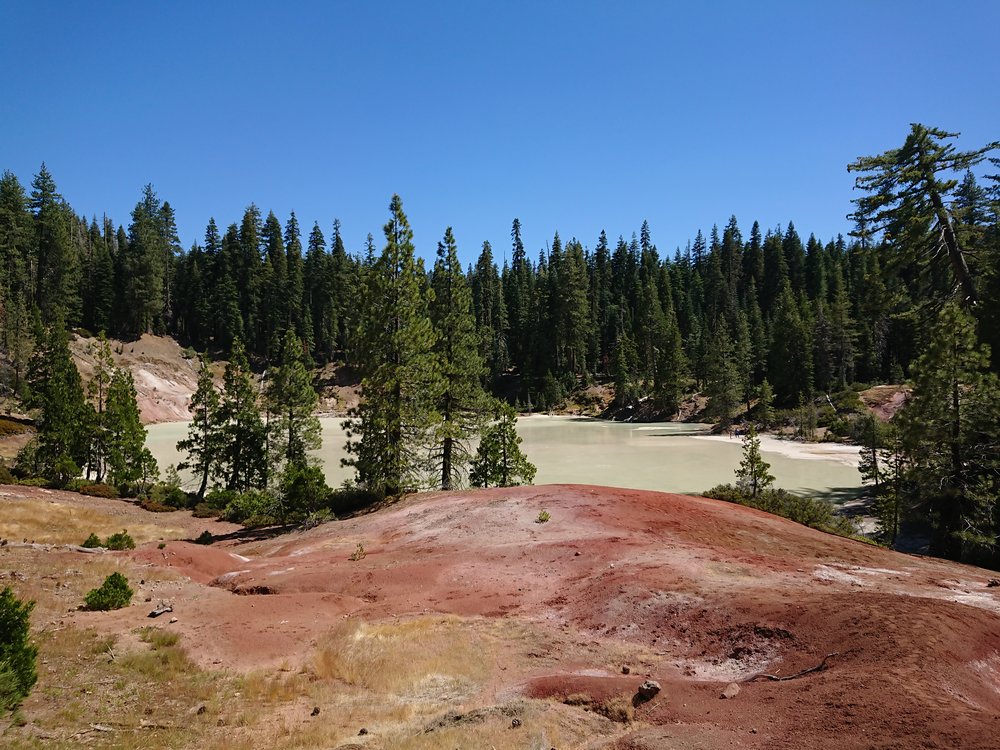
pixel 756 319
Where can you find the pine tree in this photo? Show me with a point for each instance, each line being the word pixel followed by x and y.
pixel 499 461
pixel 57 269
pixel 950 429
pixel 97 391
pixel 205 439
pixel 722 384
pixel 753 475
pixel 402 382
pixel 243 463
pixel 790 361
pixel 624 364
pixel 145 266
pixel 129 461
pixel 462 403
pixel 907 197
pixel 764 413
pixel 293 428
pixel 61 447
pixel 491 314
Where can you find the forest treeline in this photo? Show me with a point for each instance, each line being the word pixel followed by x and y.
pixel 744 316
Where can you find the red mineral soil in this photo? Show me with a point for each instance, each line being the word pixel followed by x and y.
pixel 701 593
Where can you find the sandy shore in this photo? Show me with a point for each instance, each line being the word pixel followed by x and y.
pixel 845 454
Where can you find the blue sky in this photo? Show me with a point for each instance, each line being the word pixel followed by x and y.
pixel 574 117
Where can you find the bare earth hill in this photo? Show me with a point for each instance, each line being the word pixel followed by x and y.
pixel 466 623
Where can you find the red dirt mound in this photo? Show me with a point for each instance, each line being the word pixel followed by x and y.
pixel 704 592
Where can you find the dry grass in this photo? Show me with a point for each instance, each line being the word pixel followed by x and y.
pixel 421 656
pixel 62 523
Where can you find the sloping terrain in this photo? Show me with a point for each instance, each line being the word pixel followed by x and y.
pixel 165 374
pixel 466 623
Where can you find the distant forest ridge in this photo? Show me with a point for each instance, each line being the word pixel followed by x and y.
pixel 809 316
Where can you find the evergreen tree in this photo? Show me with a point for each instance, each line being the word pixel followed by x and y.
pixel 950 430
pixel 243 463
pixel 499 460
pixel 60 448
pixel 56 267
pixel 907 197
pixel 205 439
pixel 671 366
pixel 293 428
pixel 722 384
pixel 624 366
pixel 753 475
pixel 462 402
pixel 402 383
pixel 129 461
pixel 97 391
pixel 145 267
pixel 790 361
pixel 491 314
pixel 764 412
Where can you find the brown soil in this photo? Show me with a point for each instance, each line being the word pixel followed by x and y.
pixel 165 378
pixel 691 592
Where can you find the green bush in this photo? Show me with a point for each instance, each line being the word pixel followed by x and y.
pixel 17 654
pixel 114 593
pixel 205 537
pixel 219 499
pixel 92 542
pixel 808 511
pixel 314 519
pixel 155 506
pixel 543 517
pixel 120 541
pixel 252 509
pixel 303 490
pixel 204 510
pixel 34 482
pixel 5 476
pixel 176 498
pixel 99 490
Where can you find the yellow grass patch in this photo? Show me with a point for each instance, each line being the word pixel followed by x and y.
pixel 425 655
pixel 54 522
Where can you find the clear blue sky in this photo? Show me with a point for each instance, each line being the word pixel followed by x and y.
pixel 572 116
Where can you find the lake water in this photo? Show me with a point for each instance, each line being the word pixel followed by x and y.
pixel 660 456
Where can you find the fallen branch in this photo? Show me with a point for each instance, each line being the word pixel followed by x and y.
pixel 819 667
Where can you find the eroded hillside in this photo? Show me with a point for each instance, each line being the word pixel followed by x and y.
pixel 467 623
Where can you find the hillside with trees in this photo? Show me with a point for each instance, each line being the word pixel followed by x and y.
pixel 759 319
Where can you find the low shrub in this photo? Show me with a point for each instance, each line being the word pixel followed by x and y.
pixel 219 499
pixel 5 476
pixel 92 542
pixel 543 516
pixel 175 497
pixel 155 506
pixel 99 490
pixel 120 541
pixel 321 516
pixel 114 593
pixel 204 510
pixel 359 553
pixel 808 511
pixel 17 654
pixel 252 509
pixel 34 482
pixel 205 537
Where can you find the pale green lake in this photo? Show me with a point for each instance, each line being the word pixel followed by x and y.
pixel 659 456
